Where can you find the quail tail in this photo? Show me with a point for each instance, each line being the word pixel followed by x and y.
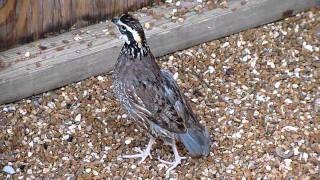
pixel 196 141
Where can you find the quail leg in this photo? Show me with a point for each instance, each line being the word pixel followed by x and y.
pixel 177 159
pixel 143 154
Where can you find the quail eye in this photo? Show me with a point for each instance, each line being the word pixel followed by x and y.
pixel 122 28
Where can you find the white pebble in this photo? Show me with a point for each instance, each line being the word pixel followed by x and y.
pixel 65 137
pixel 231 111
pixel 296 29
pixel 176 76
pixel 211 69
pixel 88 170
pixel 178 3
pixel 271 64
pixel 296 151
pixel 72 128
pixel 237 101
pixel 27 54
pixel 31 144
pixel 307 47
pixel 174 11
pixel 85 93
pixel 77 37
pixel 247 51
pixel 288 101
pixel 8 170
pixel 45 170
pixel 240 43
pixel 30 154
pixel 194 100
pixel 9 108
pixel 94 172
pixel 147 25
pixel 51 105
pixel 264 42
pixel 124 116
pixel 246 58
pixel 287 163
pixel 277 84
pixel 128 141
pixel 226 44
pixel 289 128
pixel 283 32
pixel 295 86
pixel 100 78
pixel 254 71
pixel 275 34
pixel 268 168
pixel 237 135
pixel 260 98
pixel 78 118
pixel 23 111
pixel 305 156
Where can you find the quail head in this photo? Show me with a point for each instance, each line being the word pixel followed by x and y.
pixel 152 98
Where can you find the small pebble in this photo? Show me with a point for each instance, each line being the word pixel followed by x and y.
pixel 88 170
pixel 100 78
pixel 78 118
pixel 27 54
pixel 277 84
pixel 77 37
pixel 176 76
pixel 95 173
pixel 147 25
pixel 128 141
pixel 8 170
pixel 290 128
pixel 268 168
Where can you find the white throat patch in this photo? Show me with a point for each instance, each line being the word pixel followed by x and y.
pixel 124 37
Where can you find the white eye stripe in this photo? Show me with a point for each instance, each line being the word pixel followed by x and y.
pixel 134 33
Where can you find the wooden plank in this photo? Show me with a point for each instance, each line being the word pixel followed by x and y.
pixel 62 63
pixel 26 20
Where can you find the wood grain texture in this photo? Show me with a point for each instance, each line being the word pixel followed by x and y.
pixel 22 21
pixel 51 68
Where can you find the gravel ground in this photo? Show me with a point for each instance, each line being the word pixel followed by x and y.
pixel 257 91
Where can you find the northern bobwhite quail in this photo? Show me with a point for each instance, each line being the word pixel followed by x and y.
pixel 152 97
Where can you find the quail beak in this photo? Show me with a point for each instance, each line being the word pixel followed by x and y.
pixel 115 21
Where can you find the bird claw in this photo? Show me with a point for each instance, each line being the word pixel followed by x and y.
pixel 172 164
pixel 142 155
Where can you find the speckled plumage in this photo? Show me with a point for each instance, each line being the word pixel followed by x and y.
pixel 151 96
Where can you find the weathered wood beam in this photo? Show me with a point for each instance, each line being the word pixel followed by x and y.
pixel 63 63
pixel 23 21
